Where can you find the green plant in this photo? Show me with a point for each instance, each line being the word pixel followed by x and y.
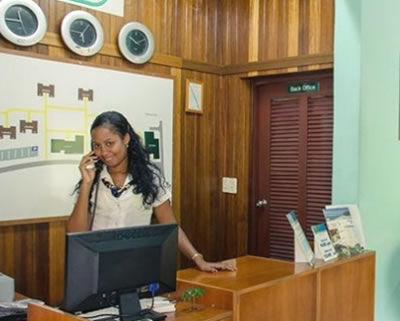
pixel 191 295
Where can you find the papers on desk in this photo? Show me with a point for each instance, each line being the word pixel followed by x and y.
pixel 16 310
pixel 20 304
pixel 161 304
pixel 101 313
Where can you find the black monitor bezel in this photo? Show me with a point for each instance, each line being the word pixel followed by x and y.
pixel 72 304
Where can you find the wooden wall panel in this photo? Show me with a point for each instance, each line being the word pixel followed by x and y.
pixel 199 162
pixel 214 144
pixel 32 252
pixel 222 43
pixel 183 19
pixel 286 28
pixel 235 115
pixel 233 32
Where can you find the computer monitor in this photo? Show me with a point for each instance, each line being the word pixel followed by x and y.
pixel 117 266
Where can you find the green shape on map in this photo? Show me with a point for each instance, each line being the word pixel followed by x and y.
pixel 152 144
pixel 91 3
pixel 69 147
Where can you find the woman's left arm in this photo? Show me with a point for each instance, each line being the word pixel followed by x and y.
pixel 165 215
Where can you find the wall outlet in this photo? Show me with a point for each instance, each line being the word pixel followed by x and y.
pixel 229 185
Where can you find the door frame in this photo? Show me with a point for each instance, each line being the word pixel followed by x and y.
pixel 254 219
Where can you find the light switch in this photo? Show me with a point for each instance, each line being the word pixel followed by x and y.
pixel 229 185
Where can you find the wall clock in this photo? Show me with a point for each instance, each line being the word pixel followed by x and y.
pixel 82 33
pixel 22 22
pixel 136 42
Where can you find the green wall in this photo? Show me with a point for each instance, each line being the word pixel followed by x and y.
pixel 346 102
pixel 367 162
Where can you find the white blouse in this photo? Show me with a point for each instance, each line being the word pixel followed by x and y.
pixel 126 210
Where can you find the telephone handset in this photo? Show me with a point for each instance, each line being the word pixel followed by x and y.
pixel 97 164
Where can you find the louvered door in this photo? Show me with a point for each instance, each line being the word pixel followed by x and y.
pixel 292 162
pixel 319 158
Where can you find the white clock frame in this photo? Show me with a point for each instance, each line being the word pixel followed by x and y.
pixel 123 33
pixel 71 44
pixel 17 39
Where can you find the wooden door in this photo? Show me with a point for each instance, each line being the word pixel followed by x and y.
pixel 292 159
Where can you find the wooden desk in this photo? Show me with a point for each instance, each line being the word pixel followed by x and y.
pixel 271 290
pixel 267 289
pixel 43 313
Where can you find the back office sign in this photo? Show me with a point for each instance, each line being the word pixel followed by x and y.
pixel 303 87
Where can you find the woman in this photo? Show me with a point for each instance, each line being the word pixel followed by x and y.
pixel 124 188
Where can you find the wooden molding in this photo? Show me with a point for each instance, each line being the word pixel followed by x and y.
pixel 202 67
pixel 34 220
pixel 281 63
pixel 54 40
pixel 177 145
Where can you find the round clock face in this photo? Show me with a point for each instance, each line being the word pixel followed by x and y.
pixel 82 33
pixel 136 42
pixel 22 22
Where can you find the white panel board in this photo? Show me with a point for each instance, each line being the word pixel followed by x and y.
pixel 46 109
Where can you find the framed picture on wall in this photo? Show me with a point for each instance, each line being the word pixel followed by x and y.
pixel 194 96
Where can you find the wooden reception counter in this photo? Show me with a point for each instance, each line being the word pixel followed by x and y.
pixel 274 290
pixel 267 289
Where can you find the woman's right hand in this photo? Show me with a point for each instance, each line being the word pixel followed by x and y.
pixel 87 168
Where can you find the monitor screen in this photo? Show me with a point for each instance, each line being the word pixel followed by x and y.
pixel 107 267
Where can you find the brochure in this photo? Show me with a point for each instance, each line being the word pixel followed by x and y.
pixel 323 247
pixel 303 251
pixel 356 219
pixel 342 231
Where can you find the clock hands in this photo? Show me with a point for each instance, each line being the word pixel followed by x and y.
pixel 137 42
pixel 86 28
pixel 13 20
pixel 81 33
pixel 19 20
pixel 22 22
pixel 134 40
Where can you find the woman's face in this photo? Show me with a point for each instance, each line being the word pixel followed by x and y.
pixel 109 147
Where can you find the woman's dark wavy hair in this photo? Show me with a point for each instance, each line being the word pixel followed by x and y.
pixel 144 173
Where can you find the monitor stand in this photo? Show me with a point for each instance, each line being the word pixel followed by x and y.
pixel 129 305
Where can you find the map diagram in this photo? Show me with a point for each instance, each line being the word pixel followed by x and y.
pixel 37 141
